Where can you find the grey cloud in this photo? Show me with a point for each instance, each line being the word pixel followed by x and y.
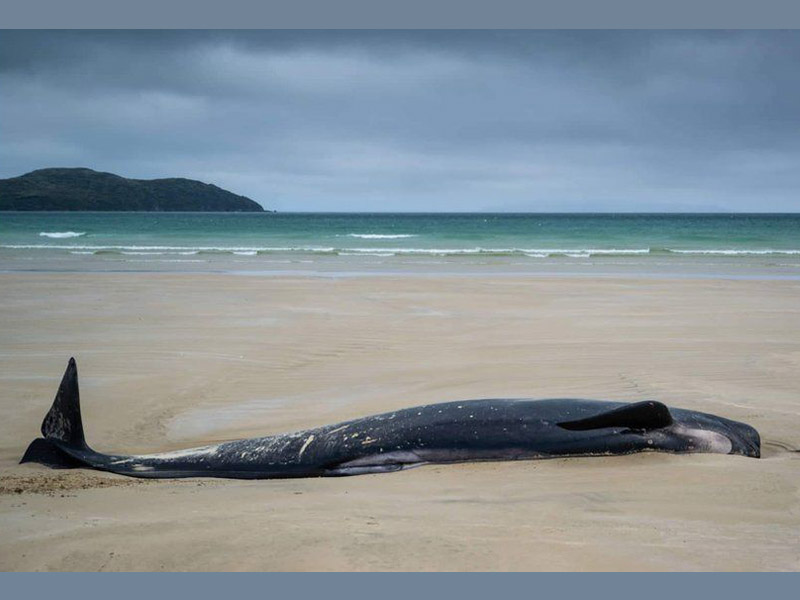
pixel 421 120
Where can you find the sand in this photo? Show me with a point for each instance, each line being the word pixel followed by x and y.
pixel 175 360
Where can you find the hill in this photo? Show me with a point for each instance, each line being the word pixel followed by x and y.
pixel 85 189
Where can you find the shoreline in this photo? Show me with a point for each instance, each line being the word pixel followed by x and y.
pixel 532 275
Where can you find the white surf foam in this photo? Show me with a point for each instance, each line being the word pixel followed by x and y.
pixel 381 236
pixel 61 234
pixel 389 251
pixel 533 252
pixel 331 250
pixel 376 253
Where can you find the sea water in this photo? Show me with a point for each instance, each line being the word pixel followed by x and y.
pixel 732 245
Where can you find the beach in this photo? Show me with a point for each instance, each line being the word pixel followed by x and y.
pixel 170 360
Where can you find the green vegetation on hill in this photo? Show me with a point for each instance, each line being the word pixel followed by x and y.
pixel 85 189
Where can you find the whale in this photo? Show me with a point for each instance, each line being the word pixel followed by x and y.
pixel 448 432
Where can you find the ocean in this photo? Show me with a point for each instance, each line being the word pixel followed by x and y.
pixel 694 245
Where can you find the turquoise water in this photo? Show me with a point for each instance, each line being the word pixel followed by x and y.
pixel 549 242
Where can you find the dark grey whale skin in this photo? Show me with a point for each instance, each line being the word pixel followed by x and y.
pixel 491 429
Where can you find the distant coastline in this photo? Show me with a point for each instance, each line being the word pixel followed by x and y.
pixel 82 189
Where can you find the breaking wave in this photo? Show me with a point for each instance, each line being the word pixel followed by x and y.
pixel 61 234
pixel 252 250
pixel 381 236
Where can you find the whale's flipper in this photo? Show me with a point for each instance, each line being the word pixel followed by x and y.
pixel 62 427
pixel 641 415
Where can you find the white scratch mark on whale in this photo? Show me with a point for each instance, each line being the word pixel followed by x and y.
pixel 305 445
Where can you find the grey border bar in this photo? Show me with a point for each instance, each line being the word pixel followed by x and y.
pixel 395 586
pixel 400 14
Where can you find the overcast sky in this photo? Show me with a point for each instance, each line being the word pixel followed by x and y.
pixel 418 121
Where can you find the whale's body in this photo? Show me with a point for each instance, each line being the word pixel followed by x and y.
pixel 471 430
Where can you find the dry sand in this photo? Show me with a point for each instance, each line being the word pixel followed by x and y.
pixel 170 361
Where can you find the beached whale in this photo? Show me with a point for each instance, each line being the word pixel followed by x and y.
pixel 472 430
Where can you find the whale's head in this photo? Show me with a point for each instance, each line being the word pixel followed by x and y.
pixel 700 432
pixel 652 425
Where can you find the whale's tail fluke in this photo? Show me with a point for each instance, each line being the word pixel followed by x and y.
pixel 62 426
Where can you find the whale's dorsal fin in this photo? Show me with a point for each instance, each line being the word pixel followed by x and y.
pixel 641 415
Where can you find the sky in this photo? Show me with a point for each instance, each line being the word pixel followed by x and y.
pixel 519 121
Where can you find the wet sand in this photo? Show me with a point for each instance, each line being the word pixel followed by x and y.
pixel 175 360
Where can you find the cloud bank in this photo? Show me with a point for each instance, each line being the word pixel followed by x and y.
pixel 418 121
